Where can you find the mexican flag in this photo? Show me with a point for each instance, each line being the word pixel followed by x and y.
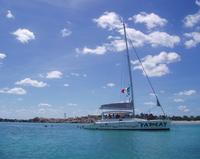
pixel 126 90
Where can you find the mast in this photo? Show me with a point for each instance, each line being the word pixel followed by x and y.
pixel 129 70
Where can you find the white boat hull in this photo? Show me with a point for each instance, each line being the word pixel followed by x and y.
pixel 132 124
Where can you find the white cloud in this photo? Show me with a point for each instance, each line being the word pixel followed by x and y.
pixel 65 32
pixel 158 38
pixel 109 20
pixel 139 38
pixel 9 15
pixel 187 92
pixel 75 74
pixel 24 35
pixel 72 104
pixel 30 82
pixel 183 108
pixel 116 45
pixel 197 2
pixel 192 20
pixel 157 65
pixel 155 38
pixel 2 56
pixel 177 100
pixel 15 90
pixel 99 50
pixel 151 20
pixel 110 85
pixel 113 37
pixel 152 94
pixel 41 75
pixel 194 39
pixel 47 111
pixel 44 105
pixel 54 74
pixel 66 85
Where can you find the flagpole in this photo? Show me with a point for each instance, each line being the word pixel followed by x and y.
pixel 129 69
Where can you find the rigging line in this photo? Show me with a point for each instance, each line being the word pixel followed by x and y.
pixel 154 92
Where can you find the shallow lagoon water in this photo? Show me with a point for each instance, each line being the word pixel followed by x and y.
pixel 67 141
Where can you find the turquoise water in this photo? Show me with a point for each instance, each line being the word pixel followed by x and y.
pixel 66 141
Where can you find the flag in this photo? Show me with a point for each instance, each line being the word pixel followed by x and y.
pixel 126 90
pixel 123 90
pixel 158 103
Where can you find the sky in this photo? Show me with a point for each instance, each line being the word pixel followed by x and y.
pixel 69 56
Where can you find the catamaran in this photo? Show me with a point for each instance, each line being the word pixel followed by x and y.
pixel 121 116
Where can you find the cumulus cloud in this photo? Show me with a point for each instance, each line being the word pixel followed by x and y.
pixel 155 38
pixel 66 85
pixel 9 15
pixel 30 82
pixel 72 104
pixel 24 35
pixel 15 90
pixel 157 65
pixel 139 38
pixel 65 32
pixel 183 108
pixel 194 39
pixel 44 105
pixel 109 20
pixel 2 56
pixel 197 2
pixel 54 74
pixel 112 22
pixel 110 84
pixel 187 92
pixel 151 20
pixel 75 74
pixel 192 19
pixel 116 45
pixel 99 50
pixel 158 38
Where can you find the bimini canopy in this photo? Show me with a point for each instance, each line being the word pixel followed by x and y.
pixel 117 106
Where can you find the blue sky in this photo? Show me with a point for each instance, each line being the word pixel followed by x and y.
pixel 68 56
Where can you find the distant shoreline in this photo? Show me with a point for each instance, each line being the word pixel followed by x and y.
pixel 93 118
pixel 19 121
